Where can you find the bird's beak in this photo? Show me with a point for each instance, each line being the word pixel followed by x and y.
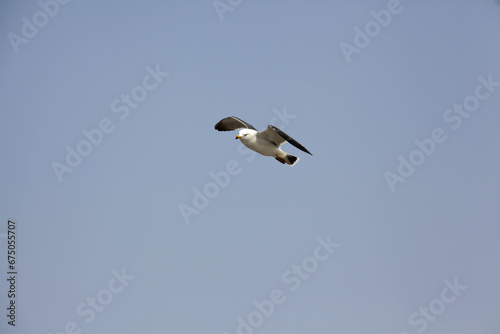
pixel 238 137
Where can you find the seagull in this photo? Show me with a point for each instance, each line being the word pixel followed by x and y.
pixel 266 142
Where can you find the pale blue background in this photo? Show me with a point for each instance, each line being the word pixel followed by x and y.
pixel 119 208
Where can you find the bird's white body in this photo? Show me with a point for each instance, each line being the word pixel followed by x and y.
pixel 265 147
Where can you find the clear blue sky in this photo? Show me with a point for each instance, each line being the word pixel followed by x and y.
pixel 134 215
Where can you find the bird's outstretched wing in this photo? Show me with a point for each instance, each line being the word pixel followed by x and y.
pixel 232 123
pixel 278 137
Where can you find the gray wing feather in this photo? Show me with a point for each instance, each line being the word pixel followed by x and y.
pixel 232 123
pixel 278 137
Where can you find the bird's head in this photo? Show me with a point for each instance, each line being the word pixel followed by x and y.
pixel 244 132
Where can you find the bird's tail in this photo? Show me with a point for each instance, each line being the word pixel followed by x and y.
pixel 289 159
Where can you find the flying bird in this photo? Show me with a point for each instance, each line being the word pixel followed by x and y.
pixel 266 142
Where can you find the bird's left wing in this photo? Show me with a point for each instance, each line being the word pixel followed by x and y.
pixel 232 123
pixel 278 137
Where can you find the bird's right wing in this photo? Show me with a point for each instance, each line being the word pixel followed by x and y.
pixel 232 123
pixel 278 137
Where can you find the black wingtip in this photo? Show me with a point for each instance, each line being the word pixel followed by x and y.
pixel 290 139
pixel 218 127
